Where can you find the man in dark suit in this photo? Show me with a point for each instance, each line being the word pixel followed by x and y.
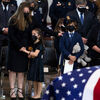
pixel 6 11
pixel 84 18
pixel 59 9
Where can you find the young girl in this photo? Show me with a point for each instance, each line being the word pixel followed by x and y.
pixel 35 72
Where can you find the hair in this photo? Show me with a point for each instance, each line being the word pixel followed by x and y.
pixel 81 2
pixel 18 17
pixel 33 1
pixel 39 32
pixel 57 28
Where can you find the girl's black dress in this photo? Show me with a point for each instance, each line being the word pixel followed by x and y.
pixel 36 72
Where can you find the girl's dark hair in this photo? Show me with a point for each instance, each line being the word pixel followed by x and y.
pixel 39 32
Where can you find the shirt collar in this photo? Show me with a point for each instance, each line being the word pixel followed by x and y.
pixel 71 32
pixel 79 13
pixel 4 6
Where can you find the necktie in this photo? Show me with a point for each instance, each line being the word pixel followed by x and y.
pixel 81 18
pixel 70 36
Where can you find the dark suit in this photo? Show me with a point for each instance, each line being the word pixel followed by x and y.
pixel 4 17
pixel 88 22
pixel 66 46
pixel 94 39
pixel 92 7
pixel 60 11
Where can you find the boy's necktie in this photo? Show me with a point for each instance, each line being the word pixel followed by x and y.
pixel 81 18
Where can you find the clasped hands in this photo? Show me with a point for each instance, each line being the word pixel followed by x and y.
pixel 30 54
pixel 72 59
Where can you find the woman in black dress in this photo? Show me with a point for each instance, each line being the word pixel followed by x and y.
pixel 36 73
pixel 94 43
pixel 18 41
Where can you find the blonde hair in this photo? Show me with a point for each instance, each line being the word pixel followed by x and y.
pixel 19 19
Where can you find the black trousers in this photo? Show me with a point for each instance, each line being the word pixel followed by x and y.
pixel 95 62
pixel 3 42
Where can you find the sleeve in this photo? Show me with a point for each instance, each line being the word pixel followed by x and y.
pixel 62 47
pixel 52 13
pixel 82 47
pixel 40 47
pixel 13 38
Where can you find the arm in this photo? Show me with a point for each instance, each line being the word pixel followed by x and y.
pixel 13 38
pixel 34 54
pixel 62 47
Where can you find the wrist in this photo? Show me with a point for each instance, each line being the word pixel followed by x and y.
pixel 29 52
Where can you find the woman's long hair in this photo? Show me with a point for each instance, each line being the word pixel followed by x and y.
pixel 19 18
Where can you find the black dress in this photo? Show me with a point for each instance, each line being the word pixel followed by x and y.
pixel 36 72
pixel 17 61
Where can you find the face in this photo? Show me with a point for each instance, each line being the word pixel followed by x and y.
pixel 35 33
pixel 26 10
pixel 32 5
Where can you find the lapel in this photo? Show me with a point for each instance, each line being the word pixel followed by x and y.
pixel 77 16
pixel 1 8
pixel 85 16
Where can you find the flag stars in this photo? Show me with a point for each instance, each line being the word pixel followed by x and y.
pixel 87 67
pixel 68 93
pixel 63 84
pixel 84 80
pixel 75 86
pixel 90 71
pixel 80 75
pixel 57 91
pixel 69 73
pixel 62 98
pixel 72 79
pixel 80 94
pixel 60 78
pixel 78 70
pixel 47 92
pixel 97 67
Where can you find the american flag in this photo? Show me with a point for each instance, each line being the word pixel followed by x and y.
pixel 80 84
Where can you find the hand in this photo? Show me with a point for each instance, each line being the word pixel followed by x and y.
pixel 32 55
pixel 5 30
pixel 84 40
pixel 72 58
pixel 23 49
pixel 70 62
pixel 60 34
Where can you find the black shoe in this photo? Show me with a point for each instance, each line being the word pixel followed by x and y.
pixel 20 91
pixel 13 98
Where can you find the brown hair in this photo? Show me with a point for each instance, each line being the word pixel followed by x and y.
pixel 19 19
pixel 60 21
pixel 39 32
pixel 81 2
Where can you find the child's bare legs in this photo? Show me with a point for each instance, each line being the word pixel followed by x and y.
pixel 37 89
pixel 35 86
